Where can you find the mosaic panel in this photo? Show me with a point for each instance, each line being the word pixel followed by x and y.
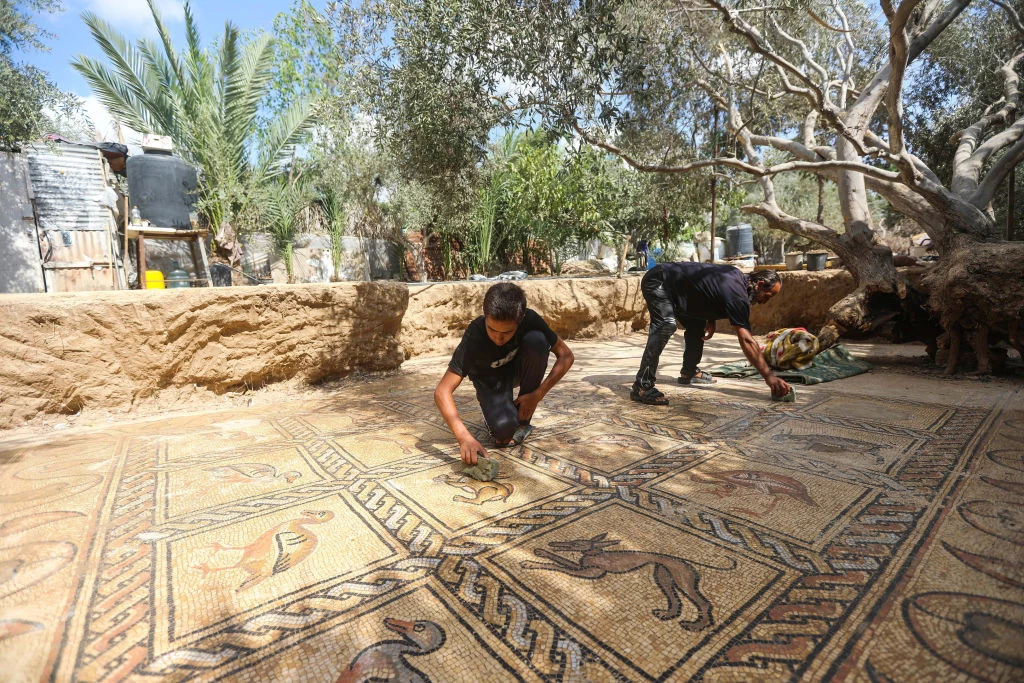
pixel 849 536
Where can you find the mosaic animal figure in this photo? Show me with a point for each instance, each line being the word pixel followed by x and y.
pixel 247 472
pixel 831 444
pixel 624 440
pixel 386 660
pixel 405 448
pixel 276 550
pixel 767 483
pixel 477 492
pixel 675 576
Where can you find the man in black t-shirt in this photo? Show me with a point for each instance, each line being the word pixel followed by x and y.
pixel 506 347
pixel 695 295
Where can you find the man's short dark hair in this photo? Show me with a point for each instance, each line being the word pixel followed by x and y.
pixel 505 301
pixel 764 278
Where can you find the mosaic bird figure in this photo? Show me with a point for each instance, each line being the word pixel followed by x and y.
pixel 386 660
pixel 277 550
pixel 831 444
pixel 624 440
pixel 247 472
pixel 768 483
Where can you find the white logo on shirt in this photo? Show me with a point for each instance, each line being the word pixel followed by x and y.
pixel 506 360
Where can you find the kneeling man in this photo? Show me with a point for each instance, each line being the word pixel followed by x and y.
pixel 506 347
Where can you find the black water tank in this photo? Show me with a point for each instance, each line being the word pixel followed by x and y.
pixel 164 189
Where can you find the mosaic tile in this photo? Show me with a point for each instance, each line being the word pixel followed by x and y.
pixel 867 532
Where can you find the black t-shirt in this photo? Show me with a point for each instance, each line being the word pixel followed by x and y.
pixel 477 355
pixel 708 291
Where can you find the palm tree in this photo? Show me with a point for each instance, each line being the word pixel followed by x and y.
pixel 206 101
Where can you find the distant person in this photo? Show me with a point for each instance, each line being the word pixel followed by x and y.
pixel 506 347
pixel 696 295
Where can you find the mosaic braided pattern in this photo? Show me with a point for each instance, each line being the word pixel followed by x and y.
pixel 724 538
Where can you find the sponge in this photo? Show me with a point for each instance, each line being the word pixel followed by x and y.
pixel 787 398
pixel 485 469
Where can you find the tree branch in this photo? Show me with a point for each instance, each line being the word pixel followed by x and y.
pixel 780 220
pixel 898 45
pixel 870 97
pixel 785 68
pixel 730 162
pixel 1002 168
pixel 970 157
pixel 1014 17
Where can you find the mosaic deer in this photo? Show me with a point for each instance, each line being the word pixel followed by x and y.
pixel 675 576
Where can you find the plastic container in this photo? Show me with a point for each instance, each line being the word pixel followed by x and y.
pixel 740 240
pixel 154 279
pixel 177 278
pixel 163 187
pixel 136 216
pixel 816 260
pixel 221 275
pixel 795 260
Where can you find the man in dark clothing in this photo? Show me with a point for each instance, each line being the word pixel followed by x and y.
pixel 696 295
pixel 506 347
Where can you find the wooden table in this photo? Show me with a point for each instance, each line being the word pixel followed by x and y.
pixel 196 240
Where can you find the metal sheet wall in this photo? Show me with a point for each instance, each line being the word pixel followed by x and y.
pixel 74 226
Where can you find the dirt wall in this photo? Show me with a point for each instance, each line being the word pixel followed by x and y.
pixel 586 308
pixel 65 352
pixel 803 301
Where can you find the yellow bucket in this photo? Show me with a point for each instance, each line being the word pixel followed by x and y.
pixel 154 279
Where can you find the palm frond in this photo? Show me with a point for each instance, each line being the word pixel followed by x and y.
pixel 285 133
pixel 115 95
pixel 247 86
pixel 165 40
pixel 128 66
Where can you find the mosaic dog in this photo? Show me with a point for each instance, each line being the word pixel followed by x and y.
pixel 478 492
pixel 675 576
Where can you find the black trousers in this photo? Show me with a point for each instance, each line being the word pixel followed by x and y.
pixel 494 392
pixel 663 326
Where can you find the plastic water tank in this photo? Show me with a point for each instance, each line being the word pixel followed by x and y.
pixel 164 189
pixel 740 240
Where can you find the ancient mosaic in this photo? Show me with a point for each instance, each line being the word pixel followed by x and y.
pixel 852 535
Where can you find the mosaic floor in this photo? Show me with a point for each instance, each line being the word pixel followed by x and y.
pixel 872 531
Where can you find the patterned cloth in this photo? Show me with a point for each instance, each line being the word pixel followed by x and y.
pixel 830 364
pixel 793 348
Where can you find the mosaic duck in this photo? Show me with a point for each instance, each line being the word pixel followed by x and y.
pixel 385 661
pixel 276 550
pixel 247 472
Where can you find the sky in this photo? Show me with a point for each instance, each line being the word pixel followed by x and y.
pixel 132 18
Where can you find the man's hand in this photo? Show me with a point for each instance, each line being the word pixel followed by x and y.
pixel 468 449
pixel 527 404
pixel 709 329
pixel 778 385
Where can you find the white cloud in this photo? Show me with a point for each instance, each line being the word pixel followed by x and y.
pixel 105 125
pixel 129 15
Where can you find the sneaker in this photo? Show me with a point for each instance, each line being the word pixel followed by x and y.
pixel 699 377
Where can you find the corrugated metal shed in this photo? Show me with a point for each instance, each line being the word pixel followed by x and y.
pixel 75 228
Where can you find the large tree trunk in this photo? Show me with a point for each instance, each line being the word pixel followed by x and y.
pixel 977 292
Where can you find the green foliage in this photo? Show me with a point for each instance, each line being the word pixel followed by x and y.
pixel 280 206
pixel 206 99
pixel 30 104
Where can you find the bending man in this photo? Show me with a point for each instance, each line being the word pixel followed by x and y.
pixel 696 295
pixel 506 347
